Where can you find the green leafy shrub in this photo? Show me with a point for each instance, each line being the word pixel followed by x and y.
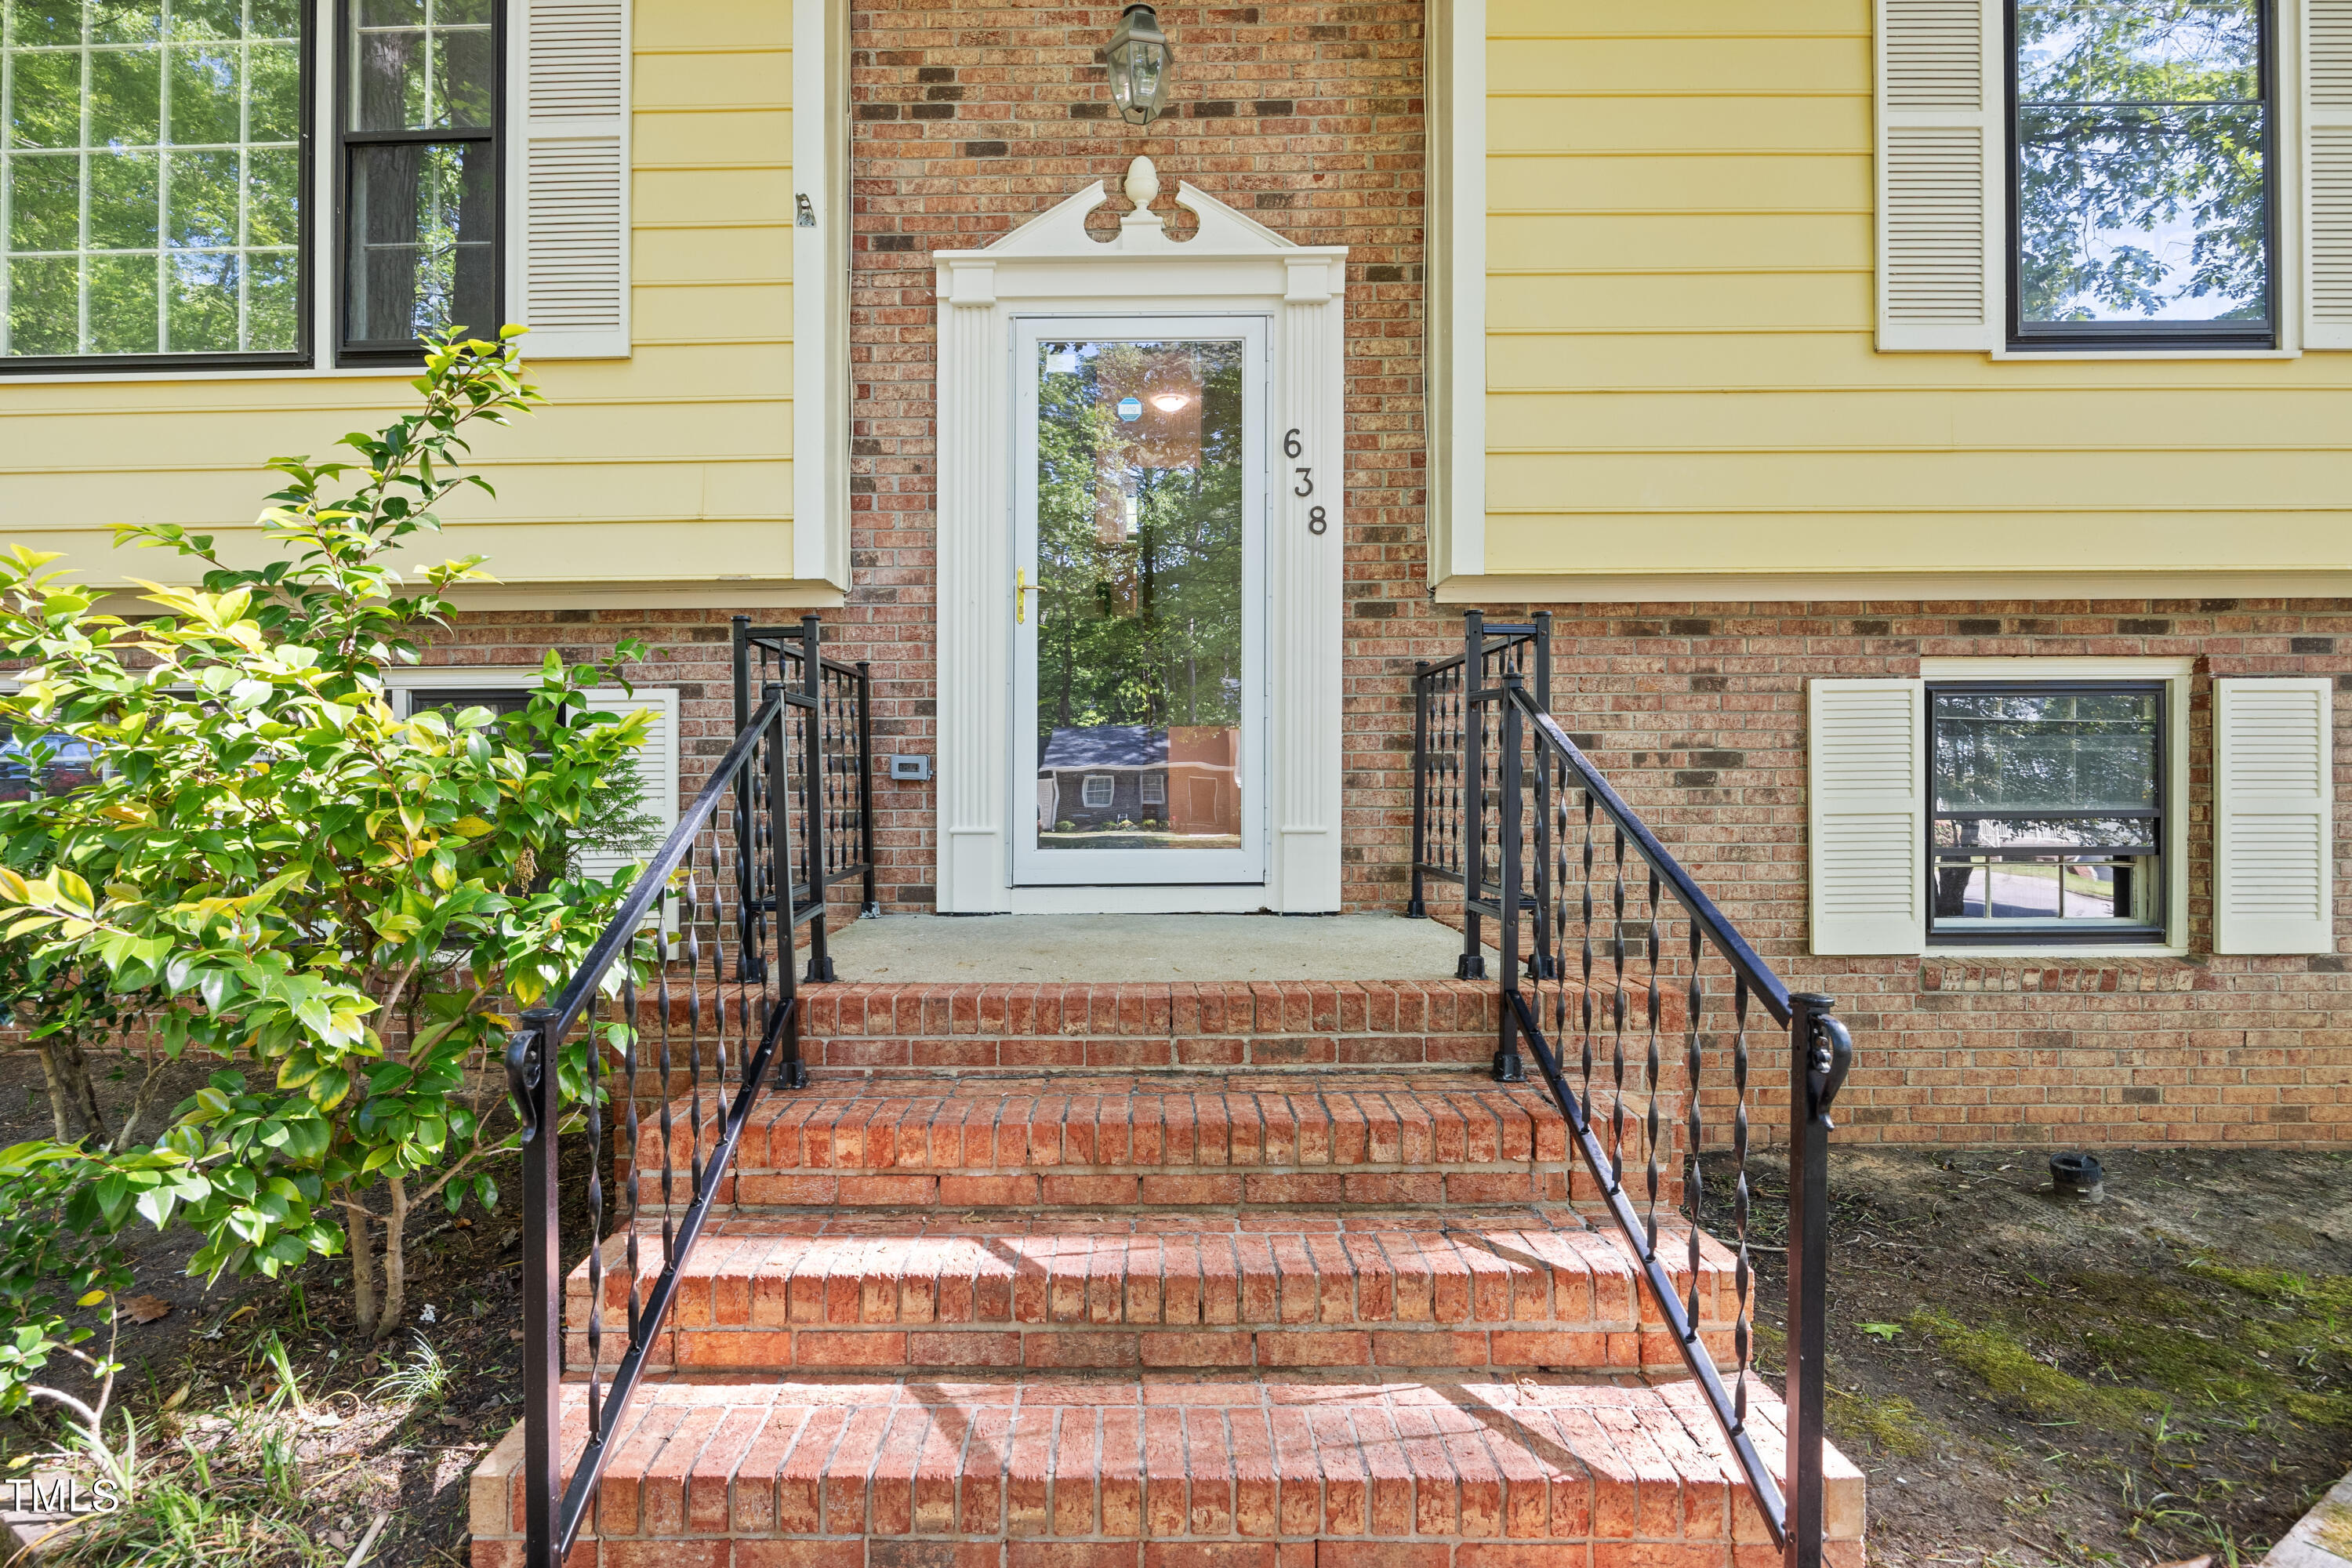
pixel 347 906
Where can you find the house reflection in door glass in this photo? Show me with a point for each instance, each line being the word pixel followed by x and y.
pixel 1139 614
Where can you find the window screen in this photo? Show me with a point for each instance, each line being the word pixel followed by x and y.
pixel 2047 814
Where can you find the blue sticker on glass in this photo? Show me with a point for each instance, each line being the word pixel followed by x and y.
pixel 1130 409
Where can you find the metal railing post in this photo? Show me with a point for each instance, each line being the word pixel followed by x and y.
pixel 1818 1053
pixel 1509 836
pixel 1416 909
pixel 819 963
pixel 749 965
pixel 1474 792
pixel 873 906
pixel 531 1082
pixel 1542 963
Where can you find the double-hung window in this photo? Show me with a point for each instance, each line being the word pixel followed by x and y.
pixel 2141 174
pixel 2046 809
pixel 164 204
pixel 418 132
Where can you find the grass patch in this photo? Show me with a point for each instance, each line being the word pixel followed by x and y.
pixel 1890 1425
pixel 2024 1380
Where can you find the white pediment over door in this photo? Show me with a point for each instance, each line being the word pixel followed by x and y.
pixel 1053 266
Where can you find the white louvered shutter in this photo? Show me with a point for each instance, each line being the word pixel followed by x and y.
pixel 657 762
pixel 2273 817
pixel 2327 76
pixel 1868 811
pixel 1939 157
pixel 572 272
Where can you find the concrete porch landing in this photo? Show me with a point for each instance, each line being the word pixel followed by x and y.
pixel 1126 950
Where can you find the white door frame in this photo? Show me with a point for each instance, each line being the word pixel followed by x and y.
pixel 1051 266
pixel 1242 867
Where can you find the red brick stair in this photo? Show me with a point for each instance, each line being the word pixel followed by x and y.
pixel 1359 1289
pixel 1149 1472
pixel 1203 1319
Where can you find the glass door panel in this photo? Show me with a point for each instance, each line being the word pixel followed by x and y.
pixel 1139 669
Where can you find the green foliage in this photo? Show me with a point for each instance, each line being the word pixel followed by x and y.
pixel 348 904
pixel 47 1266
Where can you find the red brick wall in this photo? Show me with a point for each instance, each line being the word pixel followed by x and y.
pixel 973 118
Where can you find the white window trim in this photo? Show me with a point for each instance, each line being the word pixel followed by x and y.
pixel 398 683
pixel 2291 261
pixel 2177 675
pixel 1086 792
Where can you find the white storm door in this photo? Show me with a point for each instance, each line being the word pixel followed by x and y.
pixel 1139 544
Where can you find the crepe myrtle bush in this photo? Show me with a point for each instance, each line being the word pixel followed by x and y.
pixel 345 907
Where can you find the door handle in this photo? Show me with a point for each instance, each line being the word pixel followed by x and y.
pixel 1021 589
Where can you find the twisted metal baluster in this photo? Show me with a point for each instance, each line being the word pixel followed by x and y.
pixel 1584 1003
pixel 694 1020
pixel 1617 1017
pixel 1694 1191
pixel 629 1066
pixel 718 1013
pixel 595 1233
pixel 1650 1060
pixel 661 982
pixel 1741 1277
pixel 1559 903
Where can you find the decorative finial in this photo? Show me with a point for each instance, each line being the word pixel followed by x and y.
pixel 1143 183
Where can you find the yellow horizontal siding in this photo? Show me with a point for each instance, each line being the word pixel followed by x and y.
pixel 1680 367
pixel 672 466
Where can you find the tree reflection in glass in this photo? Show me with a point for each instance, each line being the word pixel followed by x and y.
pixel 1139 541
pixel 2142 161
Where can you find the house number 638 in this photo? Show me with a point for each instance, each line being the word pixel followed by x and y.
pixel 1316 521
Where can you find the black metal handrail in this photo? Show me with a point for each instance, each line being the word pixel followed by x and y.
pixel 703 911
pixel 1527 854
pixel 831 812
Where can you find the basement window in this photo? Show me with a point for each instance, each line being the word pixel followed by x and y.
pixel 2047 814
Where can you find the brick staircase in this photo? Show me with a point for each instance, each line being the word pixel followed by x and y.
pixel 1202 1318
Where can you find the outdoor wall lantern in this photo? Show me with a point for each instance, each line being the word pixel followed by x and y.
pixel 1139 59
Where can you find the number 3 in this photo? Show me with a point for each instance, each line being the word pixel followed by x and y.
pixel 1290 447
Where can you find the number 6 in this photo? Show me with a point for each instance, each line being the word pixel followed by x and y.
pixel 1290 447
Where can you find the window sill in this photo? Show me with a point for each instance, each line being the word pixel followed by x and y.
pixel 96 377
pixel 2078 950
pixel 2145 354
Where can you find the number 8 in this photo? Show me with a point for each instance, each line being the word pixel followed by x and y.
pixel 1316 521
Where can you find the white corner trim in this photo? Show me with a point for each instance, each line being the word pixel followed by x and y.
pixel 820 119
pixel 1457 74
pixel 1052 266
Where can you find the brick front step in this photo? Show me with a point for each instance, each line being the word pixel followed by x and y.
pixel 1025 1027
pixel 1149 1142
pixel 1359 1289
pixel 1143 1472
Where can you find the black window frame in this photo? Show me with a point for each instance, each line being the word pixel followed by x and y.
pixel 364 351
pixel 2158 933
pixel 2147 336
pixel 306 271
